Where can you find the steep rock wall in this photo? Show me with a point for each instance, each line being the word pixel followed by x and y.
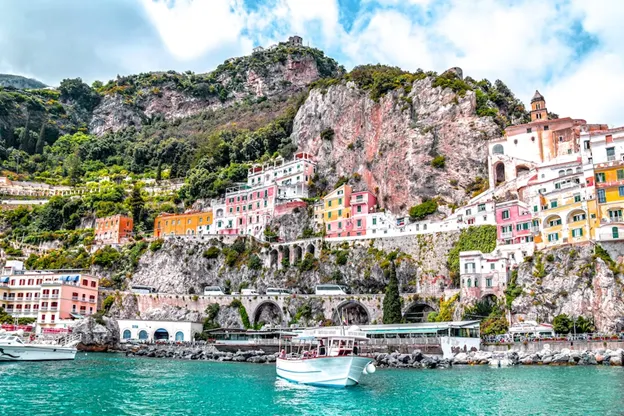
pixel 391 143
pixel 573 282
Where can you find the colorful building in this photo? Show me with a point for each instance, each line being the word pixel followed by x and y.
pixel 483 275
pixel 515 223
pixel 113 230
pixel 336 213
pixel 54 298
pixel 181 224
pixel 363 204
pixel 604 152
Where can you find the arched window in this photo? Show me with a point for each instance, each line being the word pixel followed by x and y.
pixel 179 336
pixel 476 282
pixel 498 149
pixel 469 282
pixel 615 232
pixel 143 334
pixel 562 172
pixel 126 334
pixel 568 171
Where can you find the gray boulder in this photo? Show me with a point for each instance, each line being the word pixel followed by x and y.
pixel 98 333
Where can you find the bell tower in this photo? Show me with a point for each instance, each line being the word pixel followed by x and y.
pixel 538 107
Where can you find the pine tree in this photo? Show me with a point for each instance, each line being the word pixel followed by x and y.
pixel 41 140
pixel 392 299
pixel 159 171
pixel 137 205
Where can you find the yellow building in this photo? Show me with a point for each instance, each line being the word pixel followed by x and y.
pixel 335 212
pixel 610 199
pixel 189 223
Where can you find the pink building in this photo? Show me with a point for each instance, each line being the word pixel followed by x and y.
pixel 515 223
pixel 53 298
pixel 362 204
pixel 248 210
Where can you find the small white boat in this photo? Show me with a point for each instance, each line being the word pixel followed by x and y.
pixel 330 357
pixel 12 348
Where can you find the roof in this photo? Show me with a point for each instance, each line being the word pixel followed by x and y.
pixel 537 96
pixel 418 327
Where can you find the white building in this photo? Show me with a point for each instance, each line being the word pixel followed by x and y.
pixel 150 331
pixel 483 274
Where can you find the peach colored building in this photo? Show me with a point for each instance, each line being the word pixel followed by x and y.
pixel 54 298
pixel 113 230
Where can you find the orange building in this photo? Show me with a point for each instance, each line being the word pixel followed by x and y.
pixel 113 230
pixel 181 224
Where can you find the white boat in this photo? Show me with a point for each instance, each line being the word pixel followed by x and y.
pixel 330 357
pixel 12 348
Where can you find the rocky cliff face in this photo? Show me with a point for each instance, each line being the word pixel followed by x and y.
pixel 98 334
pixel 570 280
pixel 390 144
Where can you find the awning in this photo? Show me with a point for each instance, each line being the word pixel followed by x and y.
pixel 77 316
pixel 76 278
pixel 4 279
pixel 66 278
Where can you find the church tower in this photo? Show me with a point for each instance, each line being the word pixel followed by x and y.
pixel 538 107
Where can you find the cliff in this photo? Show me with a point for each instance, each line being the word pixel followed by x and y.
pixel 570 280
pixel 387 146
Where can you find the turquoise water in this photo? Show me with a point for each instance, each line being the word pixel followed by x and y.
pixel 112 384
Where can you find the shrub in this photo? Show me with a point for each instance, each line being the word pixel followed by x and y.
pixel 242 312
pixel 420 211
pixel 327 134
pixel 550 258
pixel 156 245
pixel 211 253
pixel 239 245
pixel 254 262
pixel 231 256
pixel 439 162
pixel 108 302
pixel 308 263
pixel 482 238
pixel 342 257
pixel 106 257
pixel 562 324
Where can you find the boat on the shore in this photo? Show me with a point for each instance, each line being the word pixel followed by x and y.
pixel 330 357
pixel 13 348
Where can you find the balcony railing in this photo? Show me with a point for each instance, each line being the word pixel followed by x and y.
pixel 610 236
pixel 507 234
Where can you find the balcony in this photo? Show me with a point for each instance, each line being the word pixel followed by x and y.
pixel 74 297
pixel 611 236
pixel 609 184
pixel 508 234
pixel 91 300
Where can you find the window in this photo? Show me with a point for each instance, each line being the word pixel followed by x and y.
pixel 339 225
pixel 359 223
pixel 615 233
pixel 374 220
pixel 468 212
pixel 126 334
pixel 469 267
pixel 577 198
pixel 553 204
pixel 535 208
pixel 586 145
pixel 359 208
pixel 621 190
pixel 577 232
pixel 615 215
pixel 610 153
pixel 329 203
pixel 602 198
pixel 554 222
pixel 553 237
pixel 492 266
pixel 488 282
pixel 529 130
pixel 476 282
pixel 560 138
pixel 339 201
pixel 329 215
pixel 481 207
pixel 505 214
pixel 328 227
pixel 578 217
pixel 339 212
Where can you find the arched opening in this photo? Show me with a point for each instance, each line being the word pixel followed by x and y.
pixel 490 300
pixel 576 215
pixel 418 312
pixel 273 256
pixel 498 149
pixel 161 335
pixel 499 173
pixel 143 335
pixel 179 336
pixel 552 221
pixel 286 256
pixel 522 170
pixel 298 254
pixel 310 249
pixel 126 334
pixel 268 313
pixel 351 312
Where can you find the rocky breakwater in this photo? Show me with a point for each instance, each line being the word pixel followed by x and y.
pixel 197 352
pixel 546 356
pixel 415 360
pixel 97 333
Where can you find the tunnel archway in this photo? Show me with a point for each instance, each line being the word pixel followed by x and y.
pixel 499 173
pixel 351 312
pixel 268 312
pixel 161 335
pixel 286 255
pixel 310 248
pixel 418 312
pixel 273 256
pixel 298 255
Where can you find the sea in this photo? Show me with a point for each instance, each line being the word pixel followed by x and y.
pixel 112 384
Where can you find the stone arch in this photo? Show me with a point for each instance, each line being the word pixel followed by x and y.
pixel 351 311
pixel 268 312
pixel 573 213
pixel 499 173
pixel 418 312
pixel 498 149
pixel 550 218
pixel 522 170
pixel 490 299
pixel 286 254
pixel 161 334
pixel 273 256
pixel 297 253
pixel 310 248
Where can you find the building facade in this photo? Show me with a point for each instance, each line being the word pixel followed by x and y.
pixel 188 223
pixel 113 230
pixel 150 331
pixel 483 275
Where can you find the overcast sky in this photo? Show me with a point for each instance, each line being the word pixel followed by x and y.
pixel 571 50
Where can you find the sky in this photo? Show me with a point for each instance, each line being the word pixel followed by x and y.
pixel 571 50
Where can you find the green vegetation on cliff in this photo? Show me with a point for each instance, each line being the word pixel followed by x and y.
pixel 482 238
pixel 392 313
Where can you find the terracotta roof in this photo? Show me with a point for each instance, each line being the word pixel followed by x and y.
pixel 537 96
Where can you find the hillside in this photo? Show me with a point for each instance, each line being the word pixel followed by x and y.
pixel 19 82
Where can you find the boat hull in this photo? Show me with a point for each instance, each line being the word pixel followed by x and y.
pixel 36 353
pixel 323 371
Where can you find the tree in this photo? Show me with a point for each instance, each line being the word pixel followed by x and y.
pixel 418 212
pixel 562 324
pixel 41 140
pixel 137 205
pixel 392 299
pixel 159 171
